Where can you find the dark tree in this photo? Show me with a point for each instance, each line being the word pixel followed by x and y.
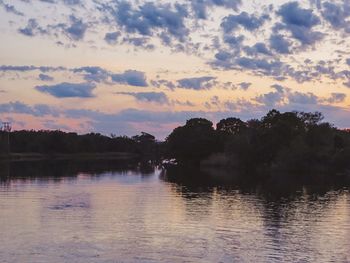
pixel 291 141
pixel 192 142
pixel 52 142
pixel 146 144
pixel 231 126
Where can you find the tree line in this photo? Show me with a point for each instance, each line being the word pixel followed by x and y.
pixel 299 142
pixel 51 142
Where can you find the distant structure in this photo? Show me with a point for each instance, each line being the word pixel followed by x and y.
pixel 6 129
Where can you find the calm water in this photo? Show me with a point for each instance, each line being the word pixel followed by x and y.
pixel 135 215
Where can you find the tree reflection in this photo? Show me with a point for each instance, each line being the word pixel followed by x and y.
pixel 58 170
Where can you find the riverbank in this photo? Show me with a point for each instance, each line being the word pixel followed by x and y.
pixel 66 156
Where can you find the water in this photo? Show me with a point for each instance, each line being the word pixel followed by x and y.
pixel 135 215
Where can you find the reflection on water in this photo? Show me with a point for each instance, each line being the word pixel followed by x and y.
pixel 110 212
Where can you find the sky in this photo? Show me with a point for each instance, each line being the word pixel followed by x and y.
pixel 122 67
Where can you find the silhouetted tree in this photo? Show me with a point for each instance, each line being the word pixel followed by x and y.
pixel 51 142
pixel 231 126
pixel 192 142
pixel 146 144
pixel 290 141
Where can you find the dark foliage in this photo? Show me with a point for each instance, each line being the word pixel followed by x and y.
pixel 51 142
pixel 296 142
pixel 192 142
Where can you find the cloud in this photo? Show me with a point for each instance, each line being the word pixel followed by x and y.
pixel 157 97
pixel 37 110
pixel 131 77
pixel 77 28
pixel 279 44
pixel 183 103
pixel 200 7
pixel 44 77
pixel 258 48
pixel 112 37
pixel 244 85
pixel 8 68
pixel 270 99
pixel 196 83
pixel 93 73
pixel 303 98
pixel 163 83
pixel 274 34
pixel 66 2
pixel 274 98
pixel 337 98
pixel 89 73
pixel 72 2
pixel 223 55
pixel 74 30
pixel 48 1
pixel 299 22
pixel 68 90
pixel 293 14
pixel 234 42
pixel 32 28
pixel 273 66
pixel 285 97
pixel 139 42
pixel 268 67
pixel 278 88
pixel 249 22
pixel 337 14
pixel 10 8
pixel 150 17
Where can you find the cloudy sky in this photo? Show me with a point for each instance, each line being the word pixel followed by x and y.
pixel 122 67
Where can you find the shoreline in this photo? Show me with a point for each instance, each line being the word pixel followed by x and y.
pixel 13 157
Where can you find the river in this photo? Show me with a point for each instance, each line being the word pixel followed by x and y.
pixel 134 214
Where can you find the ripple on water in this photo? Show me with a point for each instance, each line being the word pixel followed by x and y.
pixel 125 217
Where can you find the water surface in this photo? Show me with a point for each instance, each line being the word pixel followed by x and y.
pixel 128 214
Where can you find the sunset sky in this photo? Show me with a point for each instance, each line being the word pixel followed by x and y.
pixel 123 67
